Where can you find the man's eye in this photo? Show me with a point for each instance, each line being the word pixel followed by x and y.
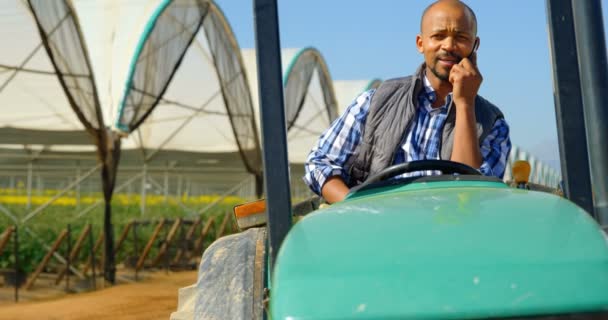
pixel 437 37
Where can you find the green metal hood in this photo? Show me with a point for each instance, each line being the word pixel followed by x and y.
pixel 442 250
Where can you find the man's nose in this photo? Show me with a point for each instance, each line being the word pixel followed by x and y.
pixel 448 44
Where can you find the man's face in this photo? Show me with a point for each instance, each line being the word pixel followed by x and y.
pixel 447 35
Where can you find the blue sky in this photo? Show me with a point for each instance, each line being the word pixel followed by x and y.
pixel 368 39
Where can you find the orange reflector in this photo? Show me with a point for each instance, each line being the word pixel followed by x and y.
pixel 521 171
pixel 247 209
pixel 249 215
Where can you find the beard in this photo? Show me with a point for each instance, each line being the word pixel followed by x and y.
pixel 440 74
pixel 443 76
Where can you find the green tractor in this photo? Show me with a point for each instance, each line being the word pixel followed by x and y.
pixel 454 246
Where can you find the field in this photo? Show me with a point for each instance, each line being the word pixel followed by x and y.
pixel 68 209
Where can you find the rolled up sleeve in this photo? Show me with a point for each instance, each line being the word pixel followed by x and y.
pixel 330 155
pixel 495 150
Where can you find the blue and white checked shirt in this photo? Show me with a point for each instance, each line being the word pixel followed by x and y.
pixel 331 156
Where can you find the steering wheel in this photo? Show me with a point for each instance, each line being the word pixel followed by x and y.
pixel 445 166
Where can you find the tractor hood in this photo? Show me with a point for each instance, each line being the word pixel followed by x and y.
pixel 441 250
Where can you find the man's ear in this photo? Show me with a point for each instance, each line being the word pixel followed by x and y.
pixel 419 45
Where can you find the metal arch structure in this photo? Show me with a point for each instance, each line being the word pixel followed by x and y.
pixel 139 99
pixel 240 119
pixel 228 65
pixel 70 59
pixel 64 42
pixel 297 79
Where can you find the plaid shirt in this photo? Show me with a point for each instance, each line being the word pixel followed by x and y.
pixel 331 156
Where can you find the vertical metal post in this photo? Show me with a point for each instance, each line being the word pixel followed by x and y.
pixel 166 183
pixel 109 267
pixel 78 173
pixel 166 255
pixel 29 185
pixel 92 254
pixel 130 188
pixel 38 185
pixel 184 244
pixel 188 187
pixel 16 255
pixel 144 180
pixel 593 67
pixel 179 187
pixel 135 245
pixel 68 258
pixel 94 270
pixel 569 104
pixel 274 133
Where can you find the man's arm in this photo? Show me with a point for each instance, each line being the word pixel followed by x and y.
pixel 334 189
pixel 326 165
pixel 466 80
pixel 466 145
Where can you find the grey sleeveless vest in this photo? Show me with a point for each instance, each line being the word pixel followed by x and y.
pixel 393 107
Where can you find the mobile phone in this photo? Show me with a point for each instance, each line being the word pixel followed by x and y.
pixel 475 46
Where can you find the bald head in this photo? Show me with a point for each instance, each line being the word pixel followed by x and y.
pixel 441 5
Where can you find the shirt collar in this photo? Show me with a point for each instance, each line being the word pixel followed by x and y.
pixel 429 96
pixel 429 92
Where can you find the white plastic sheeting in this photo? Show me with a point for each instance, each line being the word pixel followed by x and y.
pixel 30 94
pixel 191 116
pixel 207 104
pixel 37 115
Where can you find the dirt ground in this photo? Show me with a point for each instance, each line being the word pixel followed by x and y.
pixel 154 298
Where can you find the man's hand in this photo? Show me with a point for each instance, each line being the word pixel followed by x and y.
pixel 466 80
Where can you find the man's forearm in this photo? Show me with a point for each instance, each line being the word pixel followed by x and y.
pixel 466 146
pixel 334 189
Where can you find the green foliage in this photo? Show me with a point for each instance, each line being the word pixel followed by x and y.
pixel 49 224
pixel 30 254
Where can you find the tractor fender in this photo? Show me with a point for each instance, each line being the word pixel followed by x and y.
pixel 230 280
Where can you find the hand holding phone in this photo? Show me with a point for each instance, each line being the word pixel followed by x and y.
pixel 466 79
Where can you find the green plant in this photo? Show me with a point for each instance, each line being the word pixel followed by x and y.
pixel 53 219
pixel 30 254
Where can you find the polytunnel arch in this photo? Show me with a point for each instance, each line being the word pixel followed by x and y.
pixel 296 82
pixel 143 98
pixel 225 57
pixel 70 59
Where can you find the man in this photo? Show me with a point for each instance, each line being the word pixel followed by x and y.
pixel 433 114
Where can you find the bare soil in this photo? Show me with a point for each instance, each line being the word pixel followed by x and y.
pixel 153 298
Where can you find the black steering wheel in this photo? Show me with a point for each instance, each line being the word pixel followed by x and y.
pixel 445 166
